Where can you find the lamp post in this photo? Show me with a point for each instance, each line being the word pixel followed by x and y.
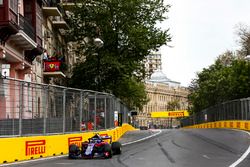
pixel 98 44
pixel 247 58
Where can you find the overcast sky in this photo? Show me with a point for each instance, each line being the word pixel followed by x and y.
pixel 201 30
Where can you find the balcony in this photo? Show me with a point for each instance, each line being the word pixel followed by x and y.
pixel 25 38
pixel 8 23
pixel 52 9
pixel 59 23
pixel 53 68
pixel 69 4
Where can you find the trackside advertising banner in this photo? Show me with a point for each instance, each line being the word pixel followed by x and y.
pixel 26 148
pixel 244 125
pixel 169 114
pixel 35 147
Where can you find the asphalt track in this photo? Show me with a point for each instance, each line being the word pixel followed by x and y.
pixel 170 148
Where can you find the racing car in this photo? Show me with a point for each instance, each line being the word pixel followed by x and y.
pixel 96 147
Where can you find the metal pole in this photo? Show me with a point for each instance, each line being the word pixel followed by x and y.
pixel 242 109
pixel 45 109
pixel 95 106
pixel 247 108
pixel 112 113
pixel 81 109
pixel 105 112
pixel 64 108
pixel 21 109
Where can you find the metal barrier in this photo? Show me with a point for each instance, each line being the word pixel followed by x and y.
pixel 38 109
pixel 232 110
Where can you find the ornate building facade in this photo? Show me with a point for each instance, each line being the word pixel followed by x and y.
pixel 161 91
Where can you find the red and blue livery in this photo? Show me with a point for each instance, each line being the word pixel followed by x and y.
pixel 96 147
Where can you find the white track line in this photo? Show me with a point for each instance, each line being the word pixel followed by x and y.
pixel 145 138
pixel 243 155
pixel 33 160
pixel 48 158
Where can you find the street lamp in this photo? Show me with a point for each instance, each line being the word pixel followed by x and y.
pixel 98 44
pixel 247 58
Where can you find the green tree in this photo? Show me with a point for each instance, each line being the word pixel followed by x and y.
pixel 173 105
pixel 227 79
pixel 129 32
pixel 243 33
pixel 220 82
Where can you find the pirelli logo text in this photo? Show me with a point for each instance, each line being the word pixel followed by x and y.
pixel 75 140
pixel 35 147
pixel 176 114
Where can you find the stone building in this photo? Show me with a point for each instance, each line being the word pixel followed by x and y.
pixel 160 91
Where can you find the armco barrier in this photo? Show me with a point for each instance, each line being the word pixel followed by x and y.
pixel 232 124
pixel 26 148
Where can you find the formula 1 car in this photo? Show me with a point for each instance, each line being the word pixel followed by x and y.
pixel 96 147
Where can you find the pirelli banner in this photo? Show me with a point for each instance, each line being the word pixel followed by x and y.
pixel 231 124
pixel 169 114
pixel 26 148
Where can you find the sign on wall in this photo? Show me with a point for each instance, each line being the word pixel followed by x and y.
pixel 52 66
pixel 169 114
pixel 35 147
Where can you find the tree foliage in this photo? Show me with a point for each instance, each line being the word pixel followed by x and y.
pixel 243 33
pixel 227 79
pixel 128 30
pixel 173 105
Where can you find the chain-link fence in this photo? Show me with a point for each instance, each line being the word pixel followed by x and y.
pixel 232 110
pixel 38 109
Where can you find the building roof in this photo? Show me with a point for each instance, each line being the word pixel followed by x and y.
pixel 159 77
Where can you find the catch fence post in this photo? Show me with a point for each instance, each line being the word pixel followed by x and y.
pixel 81 109
pixel 64 109
pixel 21 108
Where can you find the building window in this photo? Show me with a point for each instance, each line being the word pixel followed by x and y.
pixel 1 2
pixel 13 5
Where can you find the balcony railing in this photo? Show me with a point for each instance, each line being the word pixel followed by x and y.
pixel 53 8
pixel 68 1
pixel 59 23
pixel 52 3
pixel 26 27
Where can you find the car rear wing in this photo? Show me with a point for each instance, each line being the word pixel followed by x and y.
pixel 106 137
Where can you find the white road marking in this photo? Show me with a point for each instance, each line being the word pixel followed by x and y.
pixel 64 163
pixel 243 155
pixel 205 156
pixel 140 158
pixel 43 159
pixel 33 160
pixel 145 138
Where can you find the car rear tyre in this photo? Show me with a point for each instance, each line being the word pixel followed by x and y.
pixel 116 147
